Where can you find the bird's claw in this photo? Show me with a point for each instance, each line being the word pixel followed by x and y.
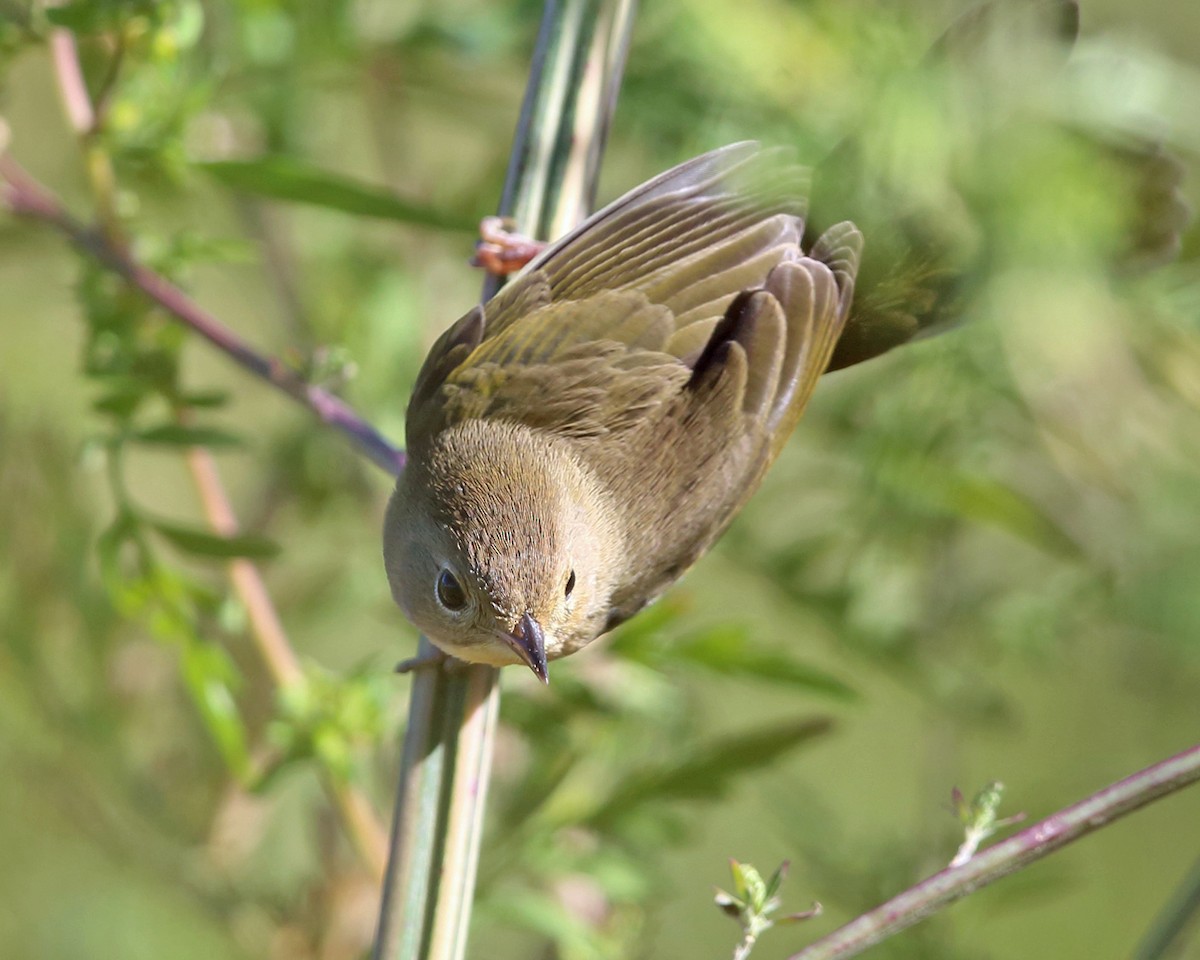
pixel 501 250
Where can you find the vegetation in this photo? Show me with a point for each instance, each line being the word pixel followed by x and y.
pixel 976 560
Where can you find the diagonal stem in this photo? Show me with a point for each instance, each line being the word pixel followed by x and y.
pixel 26 197
pixel 1033 843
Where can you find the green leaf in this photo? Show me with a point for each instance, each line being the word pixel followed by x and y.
pixel 989 501
pixel 634 635
pixel 108 552
pixel 177 435
pixel 205 398
pixel 209 673
pixel 80 17
pixel 285 178
pixel 533 910
pixel 707 770
pixel 755 885
pixel 205 544
pixel 95 16
pixel 741 883
pixel 122 399
pixel 985 500
pixel 333 750
pixel 776 880
pixel 727 650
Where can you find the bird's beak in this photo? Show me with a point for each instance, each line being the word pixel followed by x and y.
pixel 529 642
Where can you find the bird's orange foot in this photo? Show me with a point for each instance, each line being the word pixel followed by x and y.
pixel 501 250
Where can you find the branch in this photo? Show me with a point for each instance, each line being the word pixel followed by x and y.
pixel 1033 843
pixel 25 197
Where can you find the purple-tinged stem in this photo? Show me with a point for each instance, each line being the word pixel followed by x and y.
pixel 1033 843
pixel 26 197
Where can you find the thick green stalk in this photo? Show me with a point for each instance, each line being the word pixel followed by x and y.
pixel 446 764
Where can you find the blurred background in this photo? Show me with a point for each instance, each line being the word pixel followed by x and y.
pixel 977 560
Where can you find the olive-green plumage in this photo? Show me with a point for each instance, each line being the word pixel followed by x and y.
pixel 579 441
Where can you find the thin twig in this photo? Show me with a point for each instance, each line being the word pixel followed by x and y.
pixel 84 120
pixel 72 88
pixel 26 197
pixel 362 824
pixel 265 625
pixel 1018 851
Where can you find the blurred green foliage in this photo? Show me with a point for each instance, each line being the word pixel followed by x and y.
pixel 978 559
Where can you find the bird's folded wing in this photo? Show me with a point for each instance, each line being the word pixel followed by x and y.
pixel 611 320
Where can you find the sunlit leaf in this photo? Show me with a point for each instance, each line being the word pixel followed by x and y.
pixel 209 673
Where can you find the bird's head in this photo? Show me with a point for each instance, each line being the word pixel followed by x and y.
pixel 497 546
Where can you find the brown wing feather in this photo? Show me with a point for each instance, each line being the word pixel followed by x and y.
pixel 688 472
pixel 601 332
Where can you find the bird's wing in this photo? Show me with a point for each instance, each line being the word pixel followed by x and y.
pixel 622 314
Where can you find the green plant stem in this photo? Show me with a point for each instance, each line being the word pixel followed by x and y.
pixel 1033 843
pixel 446 764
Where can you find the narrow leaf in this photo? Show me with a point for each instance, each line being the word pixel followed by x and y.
pixel 122 400
pixel 208 672
pixel 706 771
pixel 989 501
pixel 80 17
pixel 205 544
pixel 777 878
pixel 727 650
pixel 205 398
pixel 177 435
pixel 285 178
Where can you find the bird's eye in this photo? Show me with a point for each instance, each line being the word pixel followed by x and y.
pixel 450 592
pixel 570 584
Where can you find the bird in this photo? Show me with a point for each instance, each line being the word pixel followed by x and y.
pixel 579 441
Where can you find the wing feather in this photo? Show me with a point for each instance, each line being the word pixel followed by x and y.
pixel 629 315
